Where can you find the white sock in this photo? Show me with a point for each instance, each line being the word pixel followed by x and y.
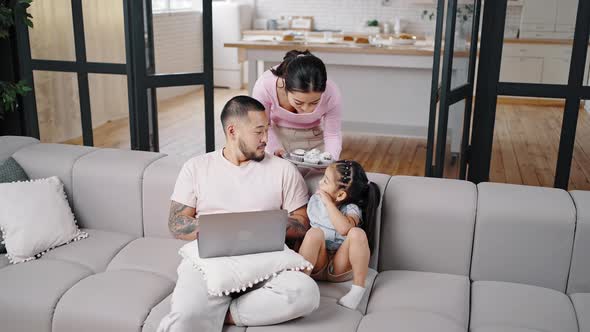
pixel 353 298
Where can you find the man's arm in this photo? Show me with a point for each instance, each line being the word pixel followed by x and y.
pixel 182 222
pixel 298 224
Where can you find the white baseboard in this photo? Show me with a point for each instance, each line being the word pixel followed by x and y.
pixel 370 128
pixel 397 130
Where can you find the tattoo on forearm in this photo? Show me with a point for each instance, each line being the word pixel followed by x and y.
pixel 176 208
pixel 295 228
pixel 180 224
pixel 183 224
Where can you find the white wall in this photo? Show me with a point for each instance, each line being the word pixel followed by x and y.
pixel 349 15
pixel 178 43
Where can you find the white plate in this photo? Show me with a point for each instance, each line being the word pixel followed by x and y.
pixel 325 41
pixel 321 165
pixel 403 42
pixel 296 41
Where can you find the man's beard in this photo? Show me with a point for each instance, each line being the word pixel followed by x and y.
pixel 250 155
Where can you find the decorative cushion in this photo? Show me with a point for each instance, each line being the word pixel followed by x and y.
pixel 35 217
pixel 234 274
pixel 10 171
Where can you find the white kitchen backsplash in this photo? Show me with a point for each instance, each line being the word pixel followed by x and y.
pixel 350 15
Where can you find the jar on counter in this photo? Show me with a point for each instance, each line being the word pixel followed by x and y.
pixel 272 24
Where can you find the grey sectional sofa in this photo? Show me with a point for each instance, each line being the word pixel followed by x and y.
pixel 452 256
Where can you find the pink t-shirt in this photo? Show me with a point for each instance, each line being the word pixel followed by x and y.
pixel 329 109
pixel 212 184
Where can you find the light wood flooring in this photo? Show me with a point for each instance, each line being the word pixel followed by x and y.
pixel 526 140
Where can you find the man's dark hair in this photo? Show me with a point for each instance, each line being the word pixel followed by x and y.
pixel 238 107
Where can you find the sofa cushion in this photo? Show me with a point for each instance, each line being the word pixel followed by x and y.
pixel 155 255
pixel 422 216
pixel 336 290
pixel 108 190
pixel 163 308
pixel 30 292
pixel 35 217
pixel 405 320
pixel 10 144
pixel 237 274
pixel 158 184
pixel 524 235
pixel 329 317
pixel 110 301
pixel 45 160
pixel 10 171
pixel 579 278
pixel 94 252
pixel 502 305
pixel 581 303
pixel 445 295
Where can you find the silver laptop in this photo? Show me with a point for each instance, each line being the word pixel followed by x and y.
pixel 243 233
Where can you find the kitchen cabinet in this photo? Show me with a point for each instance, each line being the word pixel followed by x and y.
pixel 553 19
pixel 539 13
pixel 521 69
pixel 536 63
pixel 394 82
pixel 566 16
pixel 556 70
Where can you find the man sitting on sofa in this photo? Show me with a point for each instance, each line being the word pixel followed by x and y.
pixel 240 177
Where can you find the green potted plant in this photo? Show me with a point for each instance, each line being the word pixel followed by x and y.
pixel 463 29
pixel 372 27
pixel 9 91
pixel 464 16
pixel 429 32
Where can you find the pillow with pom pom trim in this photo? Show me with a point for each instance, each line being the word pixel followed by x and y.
pixel 35 217
pixel 235 274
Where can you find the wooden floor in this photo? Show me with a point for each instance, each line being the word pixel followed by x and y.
pixel 526 140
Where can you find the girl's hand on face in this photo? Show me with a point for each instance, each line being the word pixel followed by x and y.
pixel 325 197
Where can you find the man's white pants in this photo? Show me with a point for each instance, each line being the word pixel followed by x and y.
pixel 287 296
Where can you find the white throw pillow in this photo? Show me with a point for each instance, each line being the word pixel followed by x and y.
pixel 35 217
pixel 225 275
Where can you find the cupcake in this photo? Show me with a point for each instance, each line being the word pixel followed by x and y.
pixel 297 154
pixel 312 159
pixel 313 152
pixel 326 157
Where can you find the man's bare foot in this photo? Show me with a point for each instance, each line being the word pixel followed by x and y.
pixel 228 319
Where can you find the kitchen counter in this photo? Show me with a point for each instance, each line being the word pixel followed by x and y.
pixel 352 48
pixel 385 90
pixel 310 33
pixel 538 41
pixel 319 34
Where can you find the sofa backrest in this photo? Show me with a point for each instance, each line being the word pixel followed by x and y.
pixel 523 234
pixel 427 225
pixel 159 179
pixel 45 160
pixel 579 278
pixel 520 234
pixel 104 186
pixel 108 189
pixel 10 144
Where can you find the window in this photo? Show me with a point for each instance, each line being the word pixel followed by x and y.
pixel 171 5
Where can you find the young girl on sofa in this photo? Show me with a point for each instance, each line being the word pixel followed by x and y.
pixel 342 214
